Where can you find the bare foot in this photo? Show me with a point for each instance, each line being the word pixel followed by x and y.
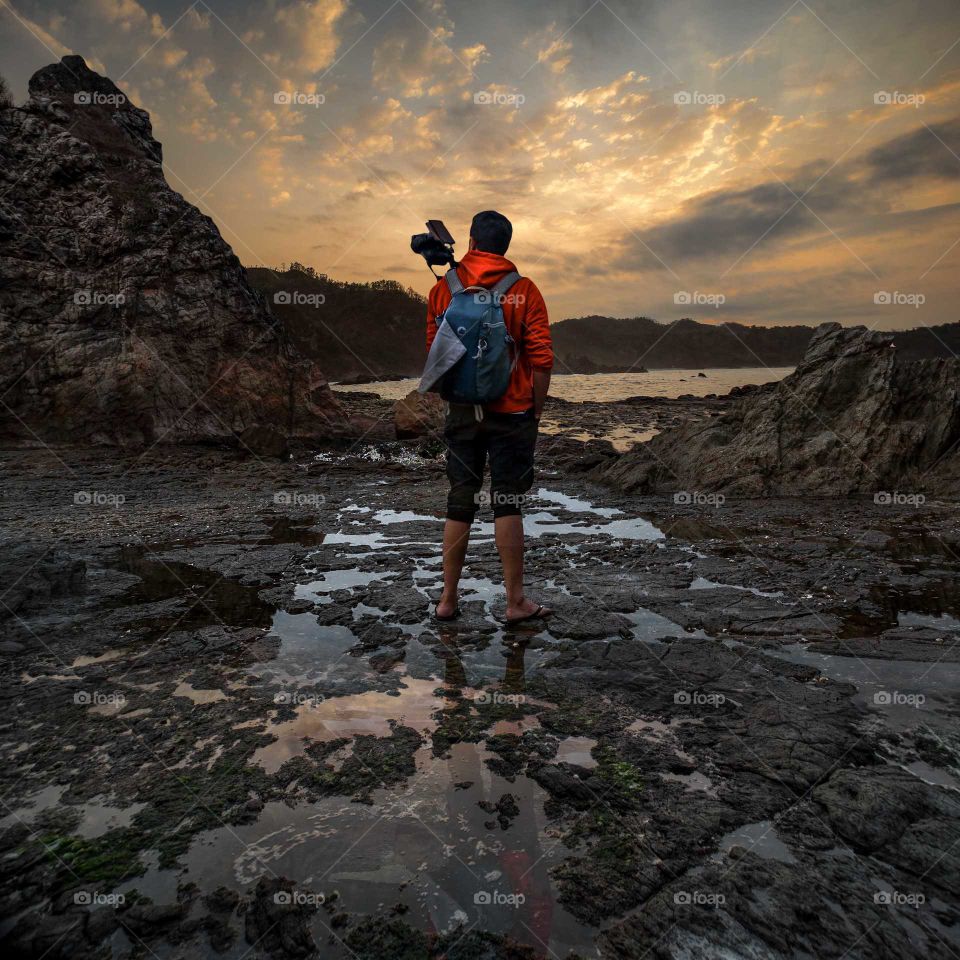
pixel 446 608
pixel 526 608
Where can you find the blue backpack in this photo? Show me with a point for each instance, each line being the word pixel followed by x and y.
pixel 475 315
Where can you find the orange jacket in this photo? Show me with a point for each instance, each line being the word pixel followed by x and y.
pixel 525 315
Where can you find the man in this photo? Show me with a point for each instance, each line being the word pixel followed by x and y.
pixel 504 432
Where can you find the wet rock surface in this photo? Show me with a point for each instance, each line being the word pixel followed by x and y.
pixel 232 727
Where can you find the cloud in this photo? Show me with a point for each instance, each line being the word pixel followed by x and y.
pixel 553 48
pixel 928 151
pixel 309 28
pixel 127 14
pixel 766 215
pixel 414 60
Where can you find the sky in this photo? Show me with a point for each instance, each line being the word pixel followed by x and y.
pixel 754 161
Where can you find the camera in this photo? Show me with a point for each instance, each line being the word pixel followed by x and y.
pixel 435 246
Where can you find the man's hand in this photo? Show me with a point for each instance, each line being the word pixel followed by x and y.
pixel 541 387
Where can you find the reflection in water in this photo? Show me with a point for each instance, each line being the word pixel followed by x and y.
pixel 426 844
pixel 205 597
pixel 322 720
pixel 759 838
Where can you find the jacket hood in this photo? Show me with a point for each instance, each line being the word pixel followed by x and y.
pixel 482 269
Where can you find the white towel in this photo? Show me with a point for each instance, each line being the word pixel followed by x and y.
pixel 445 351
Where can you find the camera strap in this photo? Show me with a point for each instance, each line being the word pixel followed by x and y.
pixel 453 282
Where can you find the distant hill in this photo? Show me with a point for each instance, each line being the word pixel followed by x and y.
pixel 376 331
pixel 609 345
pixel 605 344
pixel 924 343
pixel 361 330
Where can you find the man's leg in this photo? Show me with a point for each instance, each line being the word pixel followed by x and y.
pixel 456 536
pixel 466 459
pixel 509 535
pixel 511 444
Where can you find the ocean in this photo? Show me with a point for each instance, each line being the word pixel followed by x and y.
pixel 598 387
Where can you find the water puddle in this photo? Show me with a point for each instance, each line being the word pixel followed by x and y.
pixel 198 697
pixel 695 782
pixel 664 733
pixel 935 604
pixel 287 530
pixel 309 652
pixel 576 750
pixel 334 580
pixel 44 799
pixel 99 658
pixel 630 528
pixel 427 845
pixel 100 818
pixel 701 583
pixel 761 839
pixel 371 713
pixel 209 597
pixel 904 692
pixel 535 524
pixel 574 505
pixel 651 627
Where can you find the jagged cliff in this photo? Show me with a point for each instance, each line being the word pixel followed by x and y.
pixel 124 315
pixel 854 417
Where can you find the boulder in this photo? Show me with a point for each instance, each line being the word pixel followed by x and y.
pixel 851 419
pixel 419 415
pixel 264 441
pixel 124 316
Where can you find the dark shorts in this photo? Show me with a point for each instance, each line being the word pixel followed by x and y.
pixel 507 440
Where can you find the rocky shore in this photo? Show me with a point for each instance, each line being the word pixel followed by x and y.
pixel 125 318
pixel 232 729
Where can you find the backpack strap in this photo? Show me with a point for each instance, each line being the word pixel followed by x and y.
pixel 453 282
pixel 499 289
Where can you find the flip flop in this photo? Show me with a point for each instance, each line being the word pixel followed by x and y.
pixel 540 613
pixel 447 619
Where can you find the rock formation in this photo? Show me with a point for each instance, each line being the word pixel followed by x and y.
pixel 852 418
pixel 124 316
pixel 419 415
